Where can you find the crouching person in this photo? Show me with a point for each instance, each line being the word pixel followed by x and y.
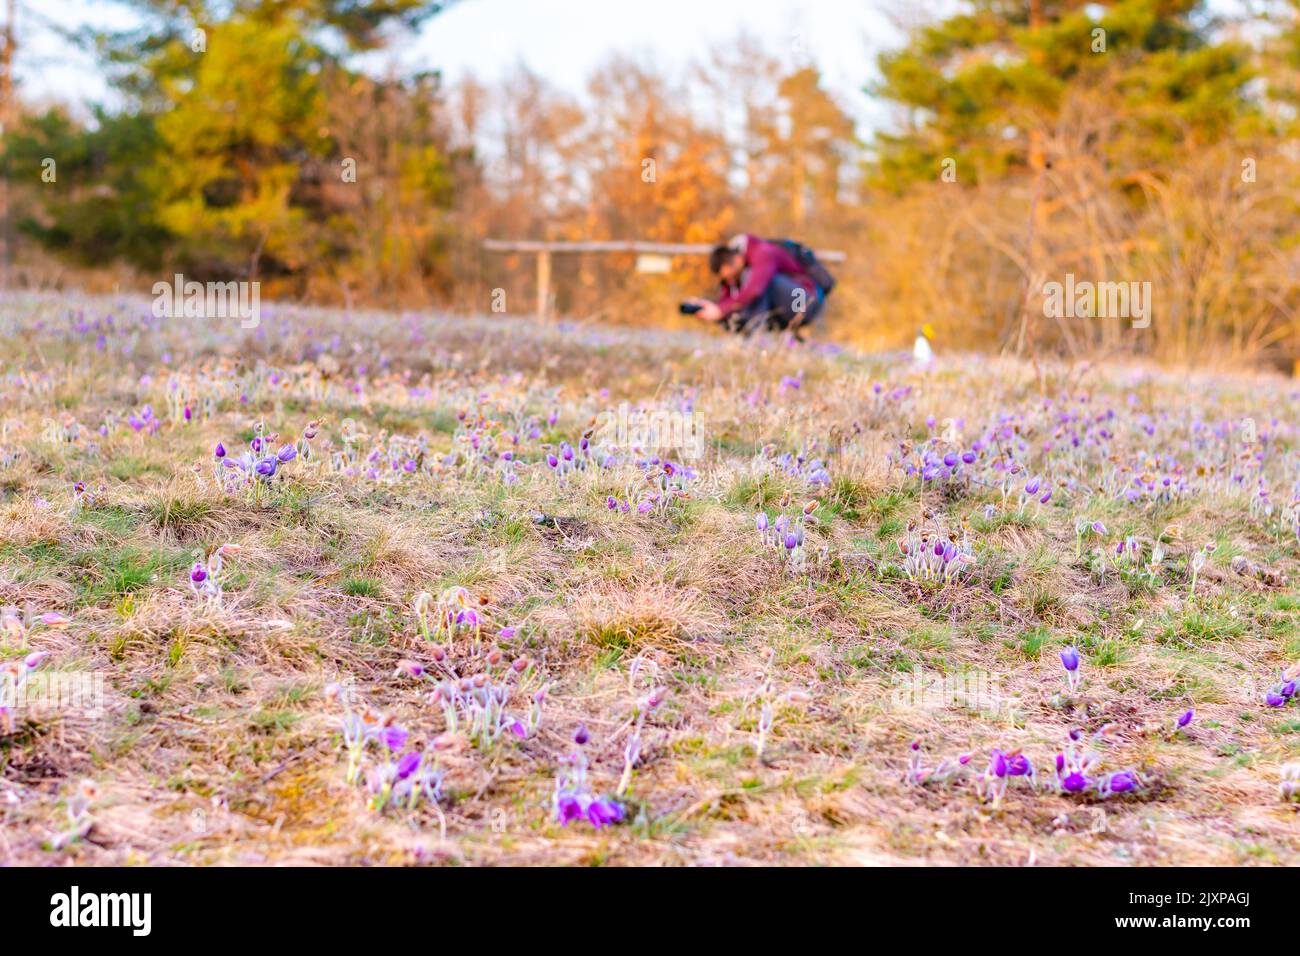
pixel 771 285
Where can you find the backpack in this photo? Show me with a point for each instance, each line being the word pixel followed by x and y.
pixel 810 263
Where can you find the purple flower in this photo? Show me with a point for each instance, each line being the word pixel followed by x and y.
pixel 580 736
pixel 1274 699
pixel 567 809
pixel 968 457
pixel 1098 528
pixel 1070 659
pixel 553 461
pixel 998 765
pixel 950 460
pixel 393 737
pixel 407 765
pixel 286 454
pixel 1031 487
pixel 1019 766
pixel 33 660
pixel 1121 782
pixel 791 542
pixel 603 812
pixel 266 467
pixel 1186 718
pixel 220 451
pixel 1075 783
pixel 760 520
pixel 198 574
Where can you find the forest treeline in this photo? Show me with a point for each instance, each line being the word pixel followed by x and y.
pixel 1025 140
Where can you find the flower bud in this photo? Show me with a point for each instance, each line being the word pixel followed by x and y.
pixel 410 668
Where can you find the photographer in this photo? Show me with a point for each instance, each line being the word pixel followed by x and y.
pixel 773 285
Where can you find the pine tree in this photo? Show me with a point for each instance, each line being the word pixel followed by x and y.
pixel 985 87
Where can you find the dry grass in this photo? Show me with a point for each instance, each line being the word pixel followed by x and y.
pixel 215 744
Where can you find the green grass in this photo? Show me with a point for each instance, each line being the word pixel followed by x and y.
pixel 107 573
pixel 1199 626
pixel 1031 643
pixel 361 587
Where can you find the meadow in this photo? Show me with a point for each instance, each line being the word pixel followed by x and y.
pixel 390 589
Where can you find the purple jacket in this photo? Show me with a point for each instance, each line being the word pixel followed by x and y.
pixel 763 260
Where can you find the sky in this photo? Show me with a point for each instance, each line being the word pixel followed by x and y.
pixel 559 39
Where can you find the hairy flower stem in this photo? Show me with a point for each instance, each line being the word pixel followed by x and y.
pixel 630 753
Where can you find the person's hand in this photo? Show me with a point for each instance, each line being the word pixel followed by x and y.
pixel 709 311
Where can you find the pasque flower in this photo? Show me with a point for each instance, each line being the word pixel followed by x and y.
pixel 1121 781
pixel 603 811
pixel 574 799
pixel 1075 782
pixel 1070 661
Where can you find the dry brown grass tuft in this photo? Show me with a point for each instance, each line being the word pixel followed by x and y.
pixel 648 616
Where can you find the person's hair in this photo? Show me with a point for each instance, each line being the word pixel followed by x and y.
pixel 719 257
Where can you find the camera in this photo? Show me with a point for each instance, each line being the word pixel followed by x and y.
pixel 690 308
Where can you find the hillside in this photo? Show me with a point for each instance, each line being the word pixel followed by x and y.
pixel 376 637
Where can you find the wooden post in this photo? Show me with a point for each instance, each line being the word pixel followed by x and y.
pixel 543 283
